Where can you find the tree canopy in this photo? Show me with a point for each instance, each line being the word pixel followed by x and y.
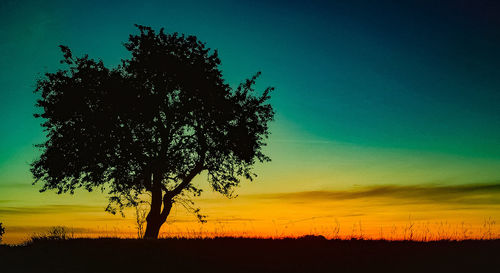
pixel 151 124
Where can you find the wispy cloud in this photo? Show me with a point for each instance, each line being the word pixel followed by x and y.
pixel 213 220
pixel 470 194
pixel 43 229
pixel 48 209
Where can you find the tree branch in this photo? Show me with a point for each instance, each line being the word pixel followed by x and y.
pixel 187 179
pixel 167 206
pixel 167 198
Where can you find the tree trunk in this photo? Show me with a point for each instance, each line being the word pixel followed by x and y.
pixel 157 216
pixel 152 229
pixel 153 218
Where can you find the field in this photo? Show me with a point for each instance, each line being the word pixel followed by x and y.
pixel 310 254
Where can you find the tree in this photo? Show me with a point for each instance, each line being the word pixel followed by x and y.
pixel 149 125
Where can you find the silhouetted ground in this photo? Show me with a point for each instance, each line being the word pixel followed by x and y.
pixel 250 255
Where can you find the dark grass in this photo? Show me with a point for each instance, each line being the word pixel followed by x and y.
pixel 250 255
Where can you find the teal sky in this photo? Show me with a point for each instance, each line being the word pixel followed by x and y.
pixel 422 77
pixel 367 92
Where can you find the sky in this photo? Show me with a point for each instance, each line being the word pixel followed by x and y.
pixel 386 113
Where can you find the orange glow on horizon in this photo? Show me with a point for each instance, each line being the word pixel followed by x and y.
pixel 250 216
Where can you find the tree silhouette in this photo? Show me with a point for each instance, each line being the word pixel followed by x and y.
pixel 150 125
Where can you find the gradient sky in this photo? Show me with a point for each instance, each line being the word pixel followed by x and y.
pixel 386 111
